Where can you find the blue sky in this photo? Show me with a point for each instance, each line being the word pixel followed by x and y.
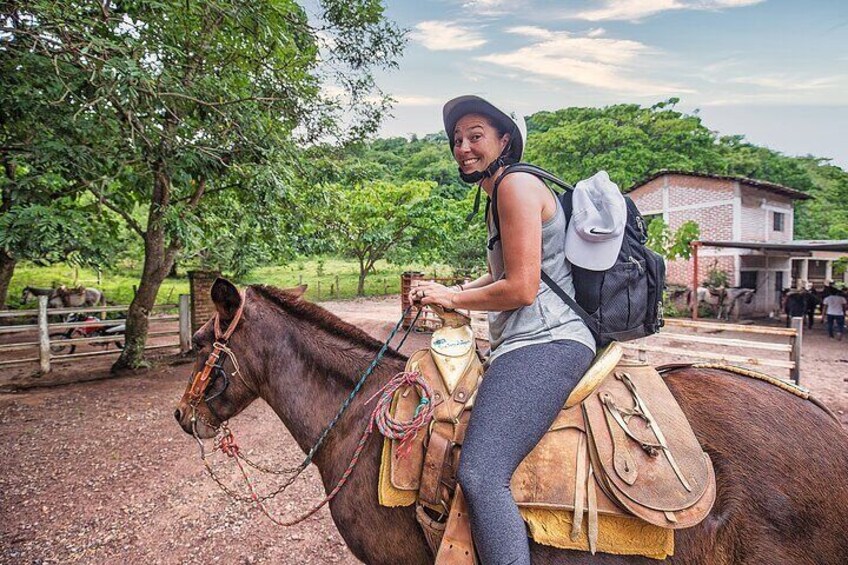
pixel 775 71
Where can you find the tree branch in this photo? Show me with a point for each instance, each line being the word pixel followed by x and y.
pixel 131 222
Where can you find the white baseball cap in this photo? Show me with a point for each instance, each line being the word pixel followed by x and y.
pixel 598 220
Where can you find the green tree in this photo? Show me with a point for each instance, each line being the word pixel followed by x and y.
pixel 626 140
pixel 377 220
pixel 826 215
pixel 670 245
pixel 183 99
pixel 45 217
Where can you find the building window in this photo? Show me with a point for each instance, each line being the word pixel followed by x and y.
pixel 748 279
pixel 778 221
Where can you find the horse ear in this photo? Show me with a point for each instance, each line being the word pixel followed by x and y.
pixel 226 297
pixel 297 291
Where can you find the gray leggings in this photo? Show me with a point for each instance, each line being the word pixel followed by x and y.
pixel 521 394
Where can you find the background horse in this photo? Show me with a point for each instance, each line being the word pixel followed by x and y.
pixel 63 296
pixel 733 298
pixel 705 295
pixel 725 301
pixel 80 296
pixel 780 461
pixel 30 293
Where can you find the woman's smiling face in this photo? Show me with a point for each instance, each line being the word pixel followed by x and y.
pixel 477 143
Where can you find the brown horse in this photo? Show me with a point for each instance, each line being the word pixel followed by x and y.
pixel 781 462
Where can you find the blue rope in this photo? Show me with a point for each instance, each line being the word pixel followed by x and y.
pixel 359 384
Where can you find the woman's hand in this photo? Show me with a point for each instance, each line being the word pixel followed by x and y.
pixel 428 292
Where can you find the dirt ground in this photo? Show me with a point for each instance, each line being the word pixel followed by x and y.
pixel 98 471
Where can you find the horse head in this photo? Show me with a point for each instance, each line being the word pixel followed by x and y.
pixel 228 368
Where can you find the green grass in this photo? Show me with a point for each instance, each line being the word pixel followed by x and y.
pixel 332 278
pixel 117 286
pixel 327 277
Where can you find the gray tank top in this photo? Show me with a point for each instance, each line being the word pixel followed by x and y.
pixel 548 318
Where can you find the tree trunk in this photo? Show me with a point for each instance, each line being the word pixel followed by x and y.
pixel 7 260
pixel 158 260
pixel 363 272
pixel 7 269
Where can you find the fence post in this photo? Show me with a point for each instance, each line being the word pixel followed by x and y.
pixel 43 336
pixel 798 326
pixel 185 323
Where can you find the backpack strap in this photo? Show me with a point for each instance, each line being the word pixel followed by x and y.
pixel 521 168
pixel 567 208
pixel 590 322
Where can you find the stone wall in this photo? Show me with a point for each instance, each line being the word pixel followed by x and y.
pixel 202 307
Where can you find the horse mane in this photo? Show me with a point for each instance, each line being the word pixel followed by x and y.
pixel 320 317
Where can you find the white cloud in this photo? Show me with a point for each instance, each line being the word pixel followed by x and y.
pixel 415 100
pixel 639 9
pixel 491 7
pixel 617 65
pixel 786 83
pixel 778 89
pixel 446 36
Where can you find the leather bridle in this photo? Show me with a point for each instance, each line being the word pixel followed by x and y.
pixel 202 379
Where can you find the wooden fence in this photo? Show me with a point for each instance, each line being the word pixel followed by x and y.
pixel 782 352
pixel 744 351
pixel 42 347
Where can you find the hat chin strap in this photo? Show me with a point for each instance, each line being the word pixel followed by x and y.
pixel 479 176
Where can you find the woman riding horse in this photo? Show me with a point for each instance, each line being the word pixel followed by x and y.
pixel 780 460
pixel 540 347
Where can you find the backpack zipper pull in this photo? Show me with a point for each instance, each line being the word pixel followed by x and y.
pixel 636 262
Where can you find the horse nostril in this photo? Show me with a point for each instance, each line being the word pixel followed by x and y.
pixel 178 415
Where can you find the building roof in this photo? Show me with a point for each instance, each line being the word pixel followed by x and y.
pixel 761 184
pixel 840 245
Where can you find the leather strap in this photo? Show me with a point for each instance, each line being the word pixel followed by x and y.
pixel 457 545
pixel 466 387
pixel 623 462
pixel 437 455
pixel 591 495
pixel 579 488
pixel 433 530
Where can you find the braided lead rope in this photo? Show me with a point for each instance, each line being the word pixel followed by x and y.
pixel 380 417
pixel 358 386
pixel 226 441
pixel 404 431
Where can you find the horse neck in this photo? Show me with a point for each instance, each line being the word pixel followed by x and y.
pixel 308 377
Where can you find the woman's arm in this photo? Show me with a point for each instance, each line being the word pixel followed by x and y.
pixel 521 202
pixel 476 283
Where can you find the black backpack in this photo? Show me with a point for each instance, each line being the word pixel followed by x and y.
pixel 619 304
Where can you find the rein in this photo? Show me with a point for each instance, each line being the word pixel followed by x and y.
pixel 226 443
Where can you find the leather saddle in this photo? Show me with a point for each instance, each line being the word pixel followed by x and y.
pixel 620 447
